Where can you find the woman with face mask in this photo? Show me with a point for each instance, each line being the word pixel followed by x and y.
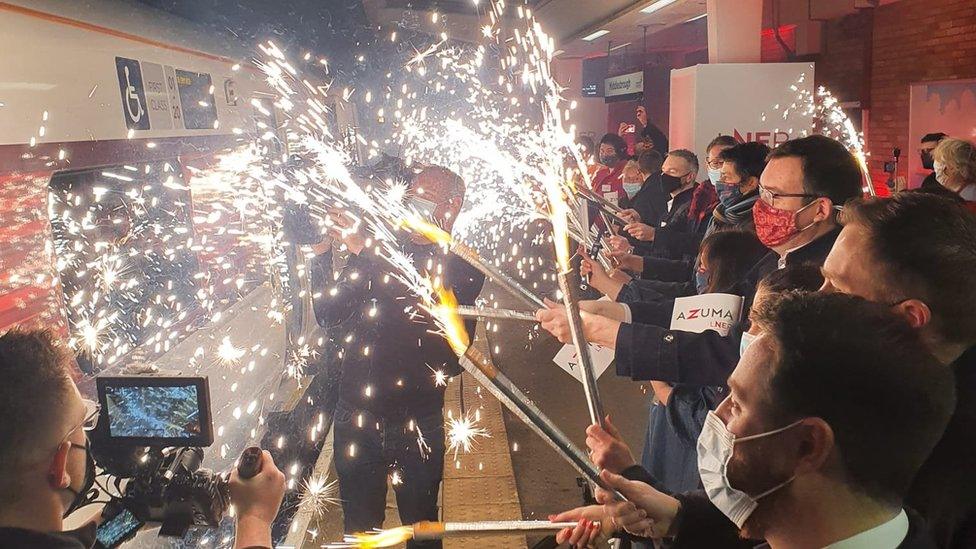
pixel 612 153
pixel 954 161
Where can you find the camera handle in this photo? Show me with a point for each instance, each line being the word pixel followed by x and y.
pixel 250 463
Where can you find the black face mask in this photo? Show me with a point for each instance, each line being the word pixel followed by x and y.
pixel 927 161
pixel 81 496
pixel 670 183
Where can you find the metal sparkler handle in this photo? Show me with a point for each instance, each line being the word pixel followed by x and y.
pixel 502 388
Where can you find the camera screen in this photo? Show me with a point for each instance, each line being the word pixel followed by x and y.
pixel 150 411
pixel 118 529
pixel 155 410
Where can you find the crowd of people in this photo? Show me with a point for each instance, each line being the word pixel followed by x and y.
pixel 841 410
pixel 838 412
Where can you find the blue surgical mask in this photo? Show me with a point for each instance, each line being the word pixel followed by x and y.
pixel 701 281
pixel 745 342
pixel 714 176
pixel 632 188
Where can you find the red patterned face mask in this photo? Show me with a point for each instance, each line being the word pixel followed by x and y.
pixel 774 226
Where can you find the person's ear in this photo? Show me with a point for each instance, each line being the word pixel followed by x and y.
pixel 816 444
pixel 916 312
pixel 749 185
pixel 824 209
pixel 57 472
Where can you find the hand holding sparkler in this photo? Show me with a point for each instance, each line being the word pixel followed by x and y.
pixel 630 216
pixel 343 227
pixel 599 278
pixel 647 513
pixel 596 329
pixel 640 231
pixel 608 449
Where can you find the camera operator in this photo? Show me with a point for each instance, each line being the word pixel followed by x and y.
pixel 46 468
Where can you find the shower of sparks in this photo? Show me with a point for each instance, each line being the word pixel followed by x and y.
pixel 829 119
pixel 463 433
pixel 381 538
pixel 317 496
pixel 228 353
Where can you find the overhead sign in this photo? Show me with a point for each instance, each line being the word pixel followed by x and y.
pixel 625 84
pixel 162 97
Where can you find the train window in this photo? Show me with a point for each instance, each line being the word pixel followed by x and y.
pixel 121 237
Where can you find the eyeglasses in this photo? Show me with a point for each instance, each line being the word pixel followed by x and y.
pixel 90 421
pixel 769 197
pixel 716 164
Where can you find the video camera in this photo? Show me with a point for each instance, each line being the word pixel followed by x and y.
pixel 150 437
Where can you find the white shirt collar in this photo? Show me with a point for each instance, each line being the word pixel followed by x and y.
pixel 887 535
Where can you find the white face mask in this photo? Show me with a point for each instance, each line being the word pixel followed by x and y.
pixel 424 207
pixel 745 342
pixel 715 447
pixel 714 176
pixel 940 172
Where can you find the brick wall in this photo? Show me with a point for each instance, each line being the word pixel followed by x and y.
pixel 914 41
pixel 843 66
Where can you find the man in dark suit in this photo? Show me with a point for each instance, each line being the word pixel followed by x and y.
pixel 388 420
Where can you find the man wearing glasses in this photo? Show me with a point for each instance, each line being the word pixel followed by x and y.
pixel 803 186
pixel 46 467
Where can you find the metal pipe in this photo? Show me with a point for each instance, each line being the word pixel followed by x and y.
pixel 501 314
pixel 476 364
pixel 441 530
pixel 590 389
pixel 505 281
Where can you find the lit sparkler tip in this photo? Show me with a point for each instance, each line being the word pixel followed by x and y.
pixel 462 432
pixel 317 496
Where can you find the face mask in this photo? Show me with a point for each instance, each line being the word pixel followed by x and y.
pixel 728 195
pixel 424 207
pixel 81 495
pixel 715 447
pixel 608 160
pixel 632 188
pixel 940 172
pixel 745 342
pixel 775 226
pixel 927 161
pixel 715 176
pixel 701 281
pixel 670 183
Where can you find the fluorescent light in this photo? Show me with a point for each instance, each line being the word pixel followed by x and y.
pixel 697 17
pixel 658 5
pixel 595 35
pixel 624 45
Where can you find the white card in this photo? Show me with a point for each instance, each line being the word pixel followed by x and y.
pixel 697 313
pixel 567 359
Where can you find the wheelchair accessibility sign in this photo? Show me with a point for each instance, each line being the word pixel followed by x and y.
pixel 133 94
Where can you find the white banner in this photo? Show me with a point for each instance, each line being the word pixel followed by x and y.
pixel 749 101
pixel 718 312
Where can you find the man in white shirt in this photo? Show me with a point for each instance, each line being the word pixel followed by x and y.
pixel 830 415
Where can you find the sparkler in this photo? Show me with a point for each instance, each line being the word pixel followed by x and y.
pixel 440 236
pixel 501 314
pixel 462 433
pixel 423 531
pixel 477 364
pixel 317 495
